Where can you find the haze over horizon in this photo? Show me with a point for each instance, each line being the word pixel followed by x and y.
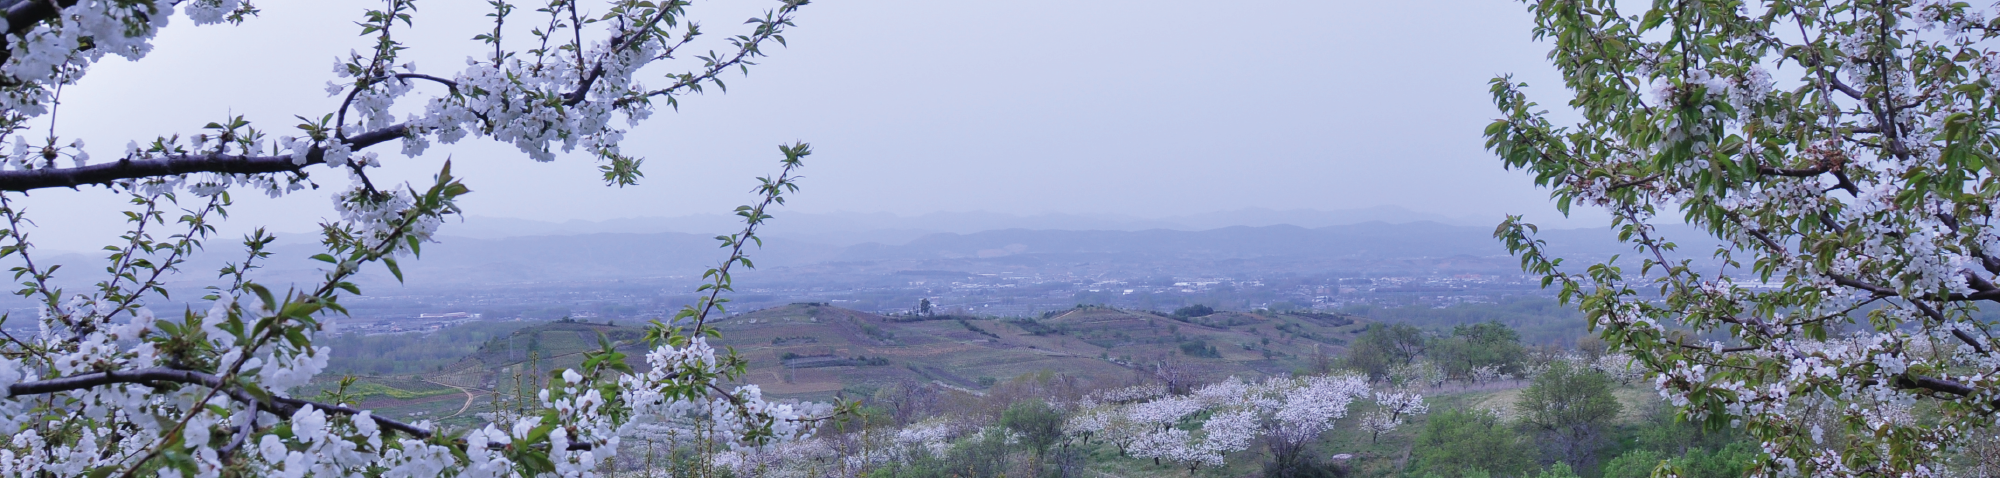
pixel 843 228
pixel 915 108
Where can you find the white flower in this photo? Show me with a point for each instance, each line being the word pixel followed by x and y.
pixel 271 448
pixel 309 424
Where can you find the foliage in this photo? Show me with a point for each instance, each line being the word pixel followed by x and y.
pixel 1038 425
pixel 1634 464
pixel 1472 347
pixel 876 332
pixel 1383 347
pixel 1558 470
pixel 1690 449
pixel 1460 442
pixel 1570 409
pixel 1846 152
pixel 1199 348
pixel 1305 468
pixel 1665 432
pixel 975 329
pixel 1192 311
pixel 1732 460
pixel 1034 327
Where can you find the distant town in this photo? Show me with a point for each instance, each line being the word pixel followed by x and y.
pixel 979 294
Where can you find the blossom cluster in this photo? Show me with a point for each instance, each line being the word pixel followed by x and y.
pixel 1852 190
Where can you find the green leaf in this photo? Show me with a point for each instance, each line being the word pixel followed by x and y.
pixel 393 269
pixel 262 293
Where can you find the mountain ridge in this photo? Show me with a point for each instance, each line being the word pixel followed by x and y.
pixel 461 261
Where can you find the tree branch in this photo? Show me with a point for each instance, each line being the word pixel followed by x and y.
pixel 24 15
pixel 283 407
pixel 280 406
pixel 176 164
pixel 1795 173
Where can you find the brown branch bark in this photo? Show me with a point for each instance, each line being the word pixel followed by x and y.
pixel 280 406
pixel 283 407
pixel 105 173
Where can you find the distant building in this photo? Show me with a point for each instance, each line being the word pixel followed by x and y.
pixel 453 315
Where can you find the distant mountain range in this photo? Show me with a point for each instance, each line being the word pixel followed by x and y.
pixel 464 261
pixel 845 228
pixel 1374 239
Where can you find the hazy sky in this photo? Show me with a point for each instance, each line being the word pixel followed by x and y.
pixel 1150 108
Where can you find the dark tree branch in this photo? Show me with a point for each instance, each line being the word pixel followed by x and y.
pixel 1969 340
pixel 1838 85
pixel 1751 322
pixel 169 165
pixel 242 432
pixel 25 15
pixel 1878 290
pixel 283 407
pixel 1635 182
pixel 453 85
pixel 1795 173
pixel 1886 291
pixel 1840 176
pixel 280 406
pixel 1745 348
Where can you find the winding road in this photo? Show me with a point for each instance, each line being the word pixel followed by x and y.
pixel 468 396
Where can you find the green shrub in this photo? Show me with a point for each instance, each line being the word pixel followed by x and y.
pixel 1633 464
pixel 1197 348
pixel 1463 442
pixel 1196 310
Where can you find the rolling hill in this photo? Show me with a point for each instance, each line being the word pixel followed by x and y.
pixel 814 352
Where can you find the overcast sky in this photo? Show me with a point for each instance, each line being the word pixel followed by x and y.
pixel 1149 109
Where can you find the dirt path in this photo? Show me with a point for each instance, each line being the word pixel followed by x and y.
pixel 468 397
pixel 975 393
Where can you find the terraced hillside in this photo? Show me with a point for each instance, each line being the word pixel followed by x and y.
pixel 815 351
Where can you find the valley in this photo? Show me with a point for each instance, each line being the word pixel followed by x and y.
pixel 817 352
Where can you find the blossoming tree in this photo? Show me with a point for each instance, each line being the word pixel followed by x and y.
pixel 109 387
pixel 1846 152
pixel 1288 413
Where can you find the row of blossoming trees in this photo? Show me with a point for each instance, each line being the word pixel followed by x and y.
pixel 1208 427
pixel 1291 425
